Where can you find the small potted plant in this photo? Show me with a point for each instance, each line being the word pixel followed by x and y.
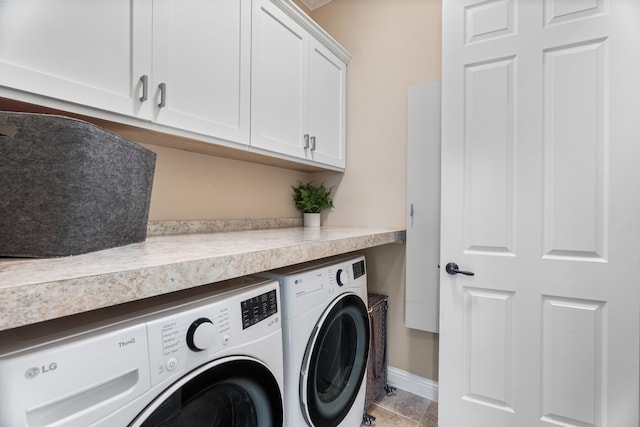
pixel 312 199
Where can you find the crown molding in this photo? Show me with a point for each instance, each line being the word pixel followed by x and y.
pixel 291 9
pixel 314 4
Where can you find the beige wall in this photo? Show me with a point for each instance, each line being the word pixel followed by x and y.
pixel 195 186
pixel 395 44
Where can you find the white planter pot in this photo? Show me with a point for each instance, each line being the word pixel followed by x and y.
pixel 311 220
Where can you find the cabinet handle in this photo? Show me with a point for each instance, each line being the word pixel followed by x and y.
pixel 145 88
pixel 313 143
pixel 306 140
pixel 163 95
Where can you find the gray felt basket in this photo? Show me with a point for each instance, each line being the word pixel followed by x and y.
pixel 68 187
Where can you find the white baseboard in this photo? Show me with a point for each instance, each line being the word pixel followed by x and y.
pixel 407 381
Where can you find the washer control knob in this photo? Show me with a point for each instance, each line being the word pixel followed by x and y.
pixel 339 277
pixel 201 334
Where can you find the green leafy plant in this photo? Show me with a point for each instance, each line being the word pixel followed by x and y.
pixel 311 198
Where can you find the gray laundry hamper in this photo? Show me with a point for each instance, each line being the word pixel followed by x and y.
pixel 68 187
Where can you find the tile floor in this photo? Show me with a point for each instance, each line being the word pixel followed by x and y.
pixel 405 409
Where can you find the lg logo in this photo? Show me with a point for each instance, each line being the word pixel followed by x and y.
pixel 33 372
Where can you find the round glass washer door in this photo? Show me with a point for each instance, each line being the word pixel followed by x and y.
pixel 230 392
pixel 335 361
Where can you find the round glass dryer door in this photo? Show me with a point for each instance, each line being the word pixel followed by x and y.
pixel 335 361
pixel 240 392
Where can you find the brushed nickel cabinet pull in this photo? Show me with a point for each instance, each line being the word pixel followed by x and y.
pixel 145 88
pixel 163 95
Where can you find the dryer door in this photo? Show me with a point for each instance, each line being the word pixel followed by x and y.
pixel 237 391
pixel 335 361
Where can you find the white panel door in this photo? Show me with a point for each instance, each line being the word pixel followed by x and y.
pixel 88 52
pixel 541 200
pixel 202 59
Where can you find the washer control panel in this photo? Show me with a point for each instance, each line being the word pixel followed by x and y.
pixel 258 308
pixel 190 336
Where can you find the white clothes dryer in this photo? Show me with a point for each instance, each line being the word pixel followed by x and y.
pixel 209 356
pixel 325 327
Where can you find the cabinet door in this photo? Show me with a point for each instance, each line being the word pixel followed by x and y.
pixel 88 52
pixel 327 78
pixel 422 296
pixel 201 56
pixel 279 81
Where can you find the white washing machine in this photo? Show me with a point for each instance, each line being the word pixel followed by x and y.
pixel 210 356
pixel 325 326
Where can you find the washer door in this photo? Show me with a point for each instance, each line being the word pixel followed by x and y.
pixel 237 391
pixel 335 361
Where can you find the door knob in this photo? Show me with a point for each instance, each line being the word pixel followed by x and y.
pixel 452 268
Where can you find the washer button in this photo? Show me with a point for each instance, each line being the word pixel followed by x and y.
pixel 225 339
pixel 171 363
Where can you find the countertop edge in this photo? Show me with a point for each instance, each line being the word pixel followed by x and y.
pixel 29 303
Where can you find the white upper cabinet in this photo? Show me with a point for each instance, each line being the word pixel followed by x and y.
pixel 180 63
pixel 327 92
pixel 298 90
pixel 91 53
pixel 279 81
pixel 256 77
pixel 201 66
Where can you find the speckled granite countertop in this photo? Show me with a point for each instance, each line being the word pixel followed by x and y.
pixel 34 290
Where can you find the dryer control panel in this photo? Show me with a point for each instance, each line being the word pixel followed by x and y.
pixel 358 269
pixel 304 286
